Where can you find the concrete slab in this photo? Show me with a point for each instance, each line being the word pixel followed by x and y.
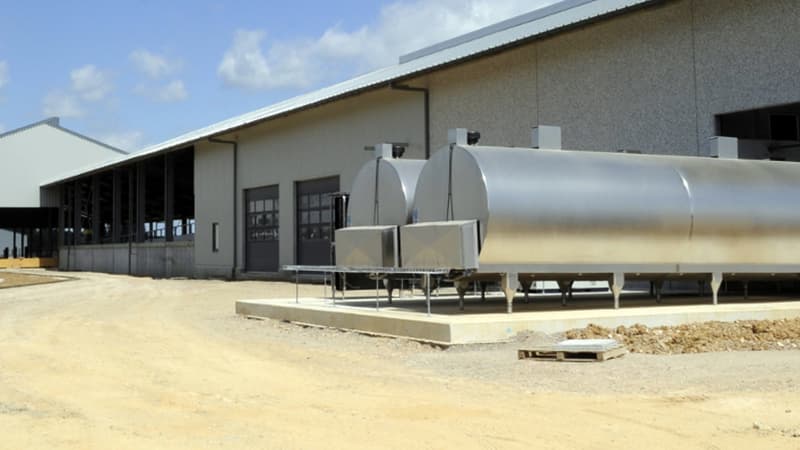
pixel 483 322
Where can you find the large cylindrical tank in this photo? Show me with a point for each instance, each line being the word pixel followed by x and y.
pixel 394 180
pixel 555 209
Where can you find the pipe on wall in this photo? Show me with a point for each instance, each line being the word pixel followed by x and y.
pixel 427 95
pixel 235 145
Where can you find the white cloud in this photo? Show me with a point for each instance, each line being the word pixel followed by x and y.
pixel 125 140
pixel 174 91
pixel 4 78
pixel 90 83
pixel 153 65
pixel 245 65
pixel 61 104
pixel 402 27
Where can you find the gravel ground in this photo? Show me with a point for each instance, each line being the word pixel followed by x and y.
pixel 110 361
pixel 675 374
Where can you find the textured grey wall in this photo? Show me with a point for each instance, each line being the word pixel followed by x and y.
pixel 651 80
pixel 747 53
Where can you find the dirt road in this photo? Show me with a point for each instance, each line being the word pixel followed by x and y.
pixel 117 362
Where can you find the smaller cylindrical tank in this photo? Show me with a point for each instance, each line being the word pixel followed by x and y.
pixel 383 191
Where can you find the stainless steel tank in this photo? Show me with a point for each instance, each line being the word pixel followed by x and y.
pixel 394 182
pixel 545 211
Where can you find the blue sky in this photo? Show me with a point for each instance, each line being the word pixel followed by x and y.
pixel 136 73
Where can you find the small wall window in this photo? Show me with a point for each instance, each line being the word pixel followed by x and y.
pixel 215 236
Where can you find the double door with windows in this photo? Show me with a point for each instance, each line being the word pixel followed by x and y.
pixel 314 213
pixel 262 235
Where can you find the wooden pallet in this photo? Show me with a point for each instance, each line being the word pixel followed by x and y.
pixel 582 356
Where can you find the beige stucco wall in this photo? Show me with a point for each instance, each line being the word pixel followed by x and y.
pixel 213 195
pixel 651 80
pixel 325 141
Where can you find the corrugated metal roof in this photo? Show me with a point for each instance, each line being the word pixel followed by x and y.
pixel 546 20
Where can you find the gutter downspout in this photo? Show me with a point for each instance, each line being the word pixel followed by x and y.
pixel 427 97
pixel 235 145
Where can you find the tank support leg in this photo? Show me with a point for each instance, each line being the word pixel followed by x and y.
pixel 526 283
pixel 658 286
pixel 746 289
pixel 428 293
pixel 377 294
pixel 616 284
pixel 716 282
pixel 565 286
pixel 461 288
pixel 388 284
pixel 509 283
pixel 483 291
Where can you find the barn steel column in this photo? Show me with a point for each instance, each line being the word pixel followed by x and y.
pixel 97 220
pixel 141 201
pixel 62 211
pixel 131 216
pixel 116 207
pixel 169 195
pixel 77 206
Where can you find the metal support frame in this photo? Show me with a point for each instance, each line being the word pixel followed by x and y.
pixel 377 271
pixel 509 283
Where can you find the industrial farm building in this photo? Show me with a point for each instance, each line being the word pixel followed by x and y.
pixel 245 196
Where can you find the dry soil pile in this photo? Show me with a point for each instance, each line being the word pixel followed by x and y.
pixel 701 337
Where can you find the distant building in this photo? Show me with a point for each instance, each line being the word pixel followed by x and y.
pixel 30 155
